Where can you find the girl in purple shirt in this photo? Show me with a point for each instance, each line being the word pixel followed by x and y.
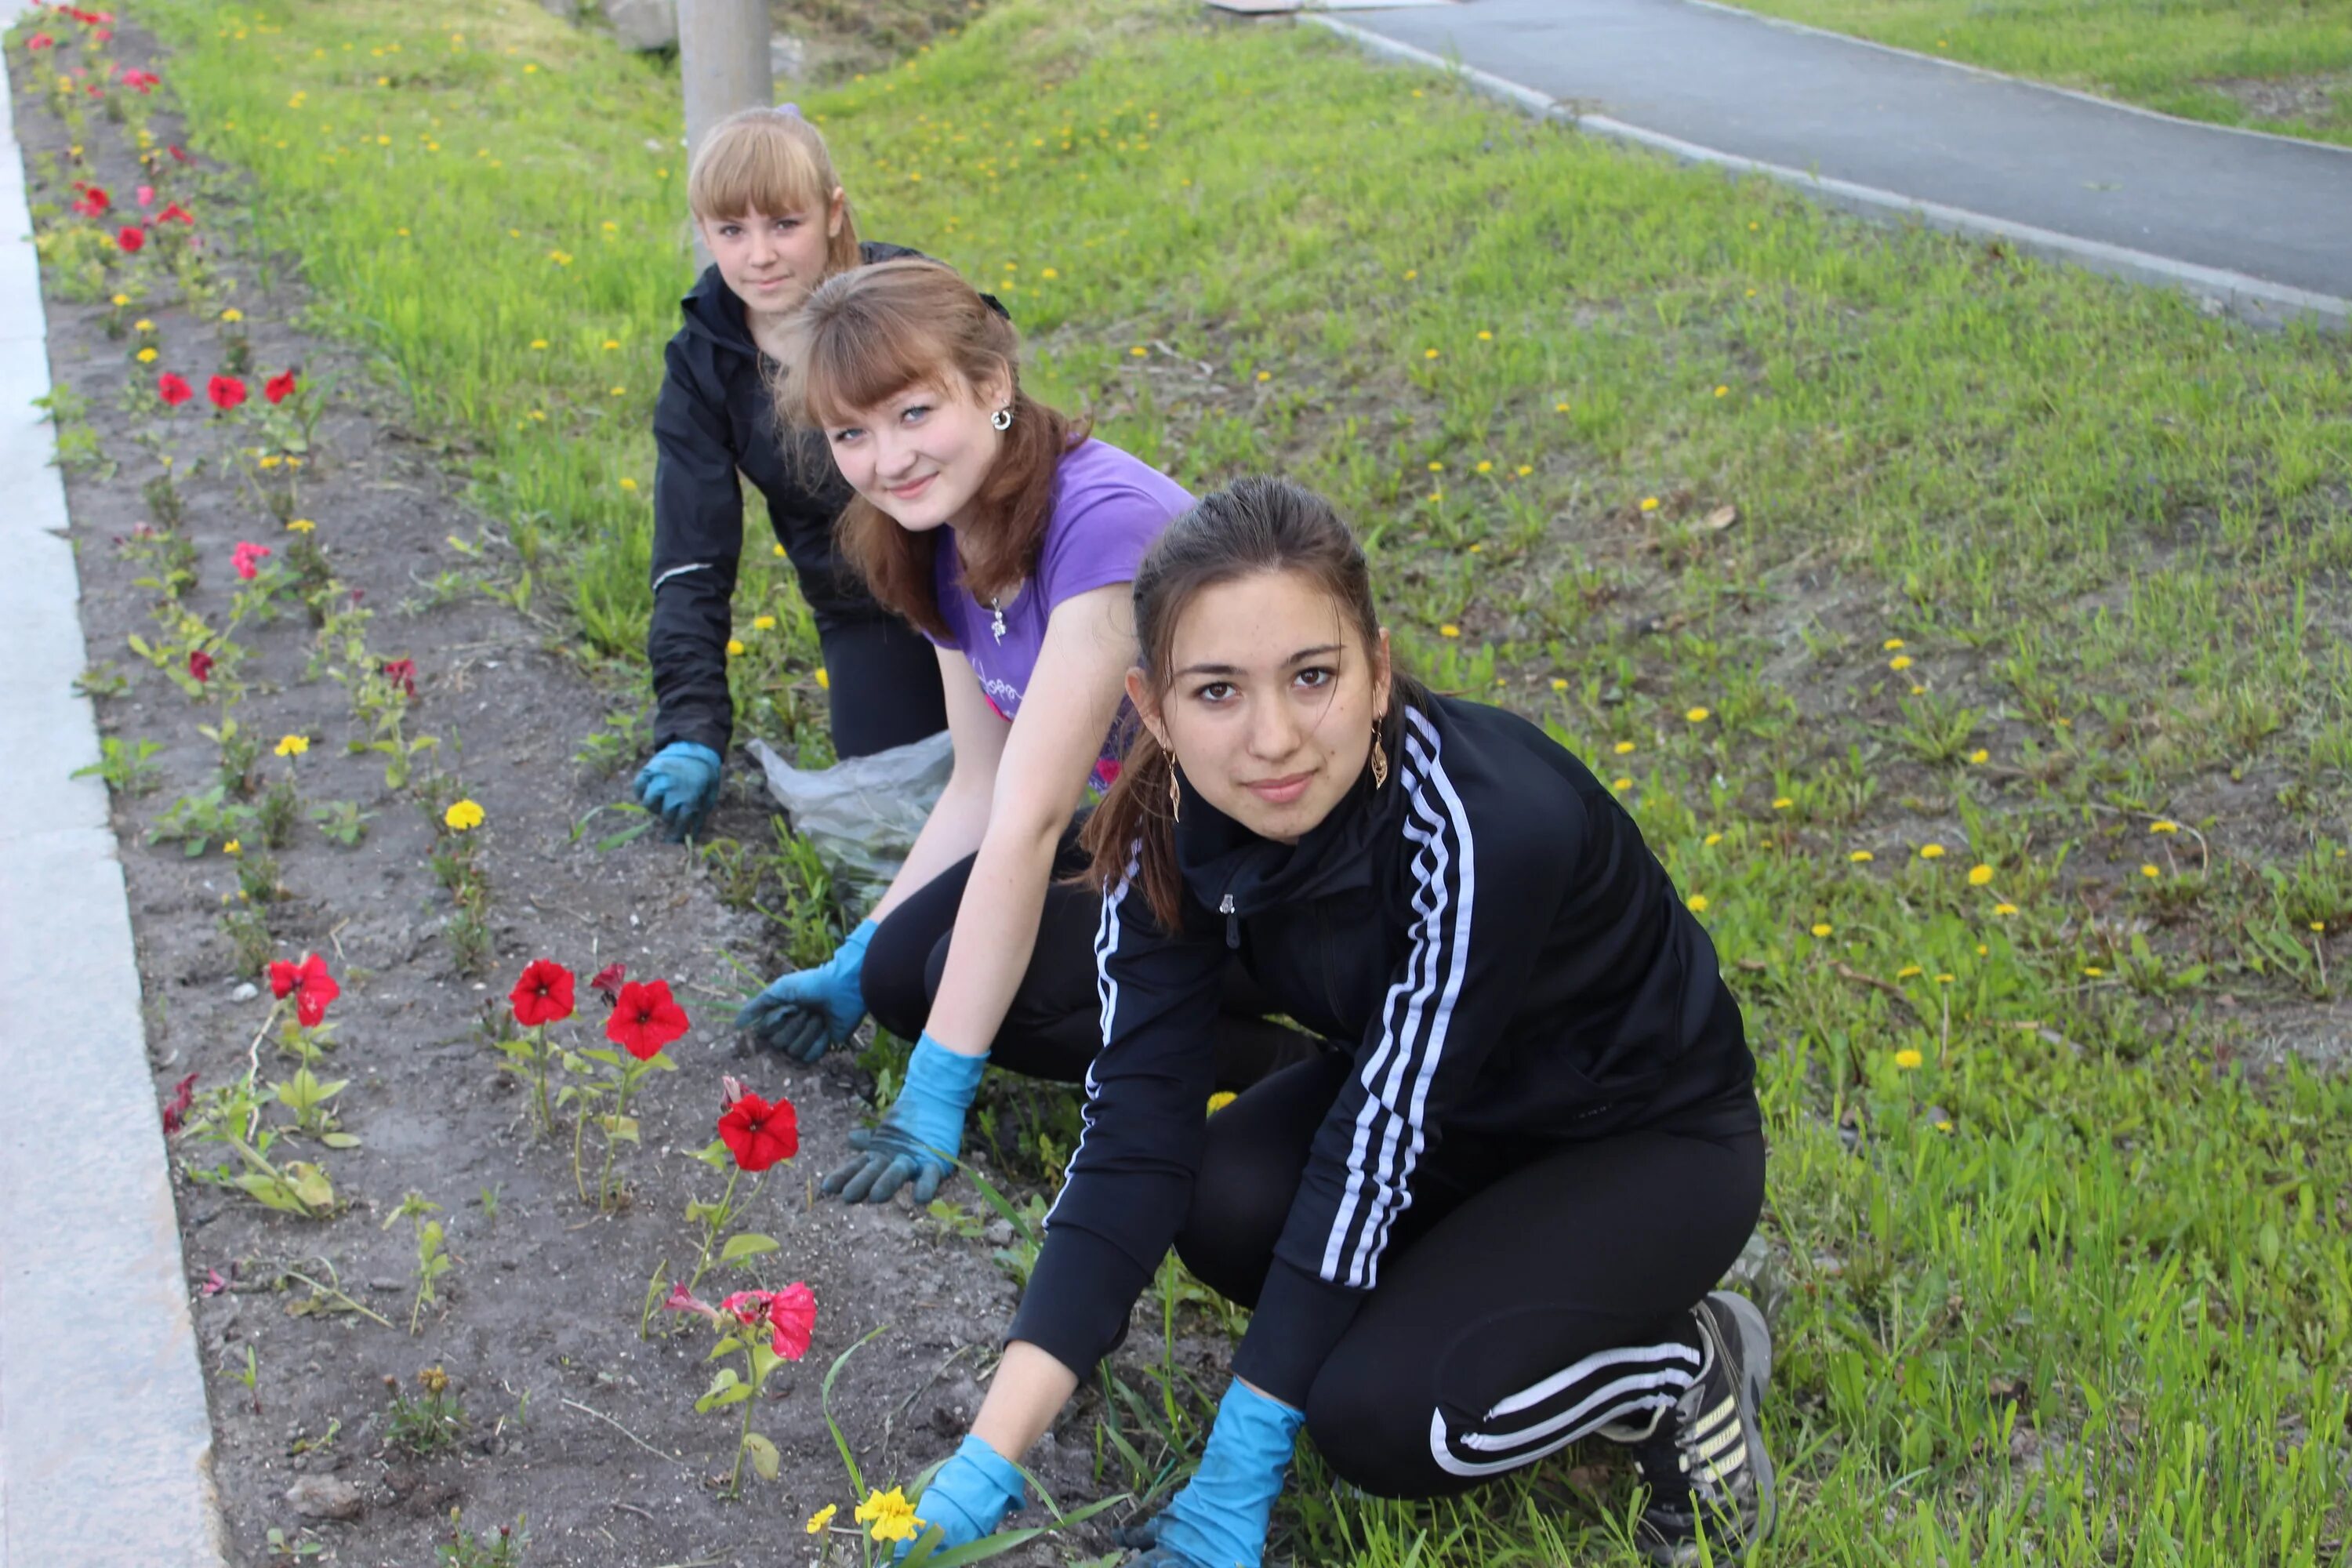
pixel 1009 538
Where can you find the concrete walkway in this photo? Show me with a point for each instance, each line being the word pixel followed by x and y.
pixel 2262 224
pixel 105 1443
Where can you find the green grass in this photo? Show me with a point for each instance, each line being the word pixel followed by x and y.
pixel 2074 1288
pixel 2282 66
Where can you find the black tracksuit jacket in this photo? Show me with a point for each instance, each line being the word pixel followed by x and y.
pixel 713 418
pixel 1489 935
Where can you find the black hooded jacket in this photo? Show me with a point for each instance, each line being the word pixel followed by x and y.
pixel 715 417
pixel 1510 964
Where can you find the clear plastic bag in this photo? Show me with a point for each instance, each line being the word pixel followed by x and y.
pixel 861 815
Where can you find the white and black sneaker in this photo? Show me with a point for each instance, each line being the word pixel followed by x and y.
pixel 1705 1461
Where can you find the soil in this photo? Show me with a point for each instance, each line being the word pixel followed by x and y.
pixel 2317 99
pixel 574 1422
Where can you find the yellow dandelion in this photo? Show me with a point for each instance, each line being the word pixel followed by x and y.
pixel 1620 785
pixel 1649 503
pixel 1559 408
pixel 627 483
pixel 1486 337
pixel 1449 630
pixel 1486 468
pixel 233 847
pixel 1711 840
pixel 1429 354
pixel 2093 971
pixel 779 549
pixel 764 623
pixel 1559 683
pixel 269 463
pixel 822 1516
pixel 1909 1057
pixel 2164 827
pixel 2319 925
pixel 1944 979
pixel 232 315
pixel 823 681
pixel 1435 467
pixel 463 816
pixel 1697 903
pixel 1979 755
pixel 147 356
pixel 1909 971
pixel 1697 715
pixel 1265 375
pixel 301 525
pixel 1049 272
pixel 611 343
pixel 1220 1099
pixel 1723 392
pixel 1822 927
pixel 1931 852
pixel 1862 857
pixel 734 647
pixel 1900 661
pixel 2004 911
pixel 120 300
pixel 1979 875
pixel 142 325
pixel 292 746
pixel 1891 644
pixel 1525 470
pixel 620 391
pixel 1139 351
pixel 2150 872
pixel 1623 747
pixel 1944 1125
pixel 1781 802
pixel 1412 272
pixel 538 342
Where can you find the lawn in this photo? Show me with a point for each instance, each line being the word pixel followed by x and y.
pixel 1969 636
pixel 2281 66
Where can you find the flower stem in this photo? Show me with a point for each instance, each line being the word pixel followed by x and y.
pixel 612 1137
pixel 539 1081
pixel 711 1226
pixel 743 1438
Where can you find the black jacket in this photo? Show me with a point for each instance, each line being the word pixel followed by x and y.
pixel 1513 966
pixel 713 418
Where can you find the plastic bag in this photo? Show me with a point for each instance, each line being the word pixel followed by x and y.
pixel 861 815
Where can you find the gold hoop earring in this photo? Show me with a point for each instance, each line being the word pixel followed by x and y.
pixel 1175 796
pixel 1379 760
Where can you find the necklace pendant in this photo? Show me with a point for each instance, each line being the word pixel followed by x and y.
pixel 996 626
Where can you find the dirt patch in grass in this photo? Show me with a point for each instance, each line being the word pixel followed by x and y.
pixel 836 40
pixel 570 1420
pixel 2321 99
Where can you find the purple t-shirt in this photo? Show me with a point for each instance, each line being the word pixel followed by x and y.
pixel 1108 508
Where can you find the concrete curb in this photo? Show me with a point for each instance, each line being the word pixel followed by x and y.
pixel 105 1438
pixel 2255 300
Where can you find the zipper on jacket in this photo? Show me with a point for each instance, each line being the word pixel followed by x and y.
pixel 1232 923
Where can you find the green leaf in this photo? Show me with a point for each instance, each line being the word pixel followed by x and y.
pixel 624 1128
pixel 765 1457
pixel 748 1245
pixel 339 1139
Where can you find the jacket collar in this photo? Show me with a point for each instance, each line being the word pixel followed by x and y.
pixel 1219 857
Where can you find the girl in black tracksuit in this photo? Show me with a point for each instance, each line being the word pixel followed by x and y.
pixel 1486 1223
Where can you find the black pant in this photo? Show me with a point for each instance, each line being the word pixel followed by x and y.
pixel 884 680
pixel 1055 1025
pixel 1529 1297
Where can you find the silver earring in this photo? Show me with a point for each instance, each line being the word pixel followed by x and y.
pixel 1002 419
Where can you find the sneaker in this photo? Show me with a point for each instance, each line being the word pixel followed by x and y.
pixel 1705 1461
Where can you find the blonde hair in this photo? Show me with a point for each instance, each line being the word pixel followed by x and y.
pixel 771 162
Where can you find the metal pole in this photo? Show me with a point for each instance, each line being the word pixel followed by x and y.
pixel 722 60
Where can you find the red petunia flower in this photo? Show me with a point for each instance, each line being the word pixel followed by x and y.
pixel 133 239
pixel 200 665
pixel 310 984
pixel 759 1133
pixel 40 41
pixel 93 201
pixel 175 1109
pixel 681 1300
pixel 246 558
pixel 225 391
pixel 607 983
pixel 173 389
pixel 402 672
pixel 140 81
pixel 792 1314
pixel 175 212
pixel 544 995
pixel 278 387
pixel 644 1019
pixel 179 153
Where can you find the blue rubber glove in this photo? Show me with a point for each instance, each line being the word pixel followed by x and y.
pixel 919 1136
pixel 969 1498
pixel 679 785
pixel 1219 1519
pixel 808 1012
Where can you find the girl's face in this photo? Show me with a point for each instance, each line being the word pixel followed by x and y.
pixel 1271 707
pixel 922 455
pixel 774 260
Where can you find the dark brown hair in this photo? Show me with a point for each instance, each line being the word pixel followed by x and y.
pixel 1252 526
pixel 866 335
pixel 771 162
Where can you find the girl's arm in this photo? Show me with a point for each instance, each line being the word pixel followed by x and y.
pixel 1047 758
pixel 959 818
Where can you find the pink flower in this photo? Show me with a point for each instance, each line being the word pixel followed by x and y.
pixel 140 81
pixel 39 41
pixel 402 672
pixel 214 1284
pixel 682 1300
pixel 607 981
pixel 175 1109
pixel 200 664
pixel 146 194
pixel 246 558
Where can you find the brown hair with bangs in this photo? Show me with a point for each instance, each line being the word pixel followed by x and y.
pixel 866 335
pixel 1252 526
pixel 771 161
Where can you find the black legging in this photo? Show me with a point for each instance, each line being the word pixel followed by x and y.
pixel 1054 1028
pixel 884 681
pixel 1529 1297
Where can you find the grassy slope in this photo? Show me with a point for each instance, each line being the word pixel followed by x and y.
pixel 2161 54
pixel 2077 1281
